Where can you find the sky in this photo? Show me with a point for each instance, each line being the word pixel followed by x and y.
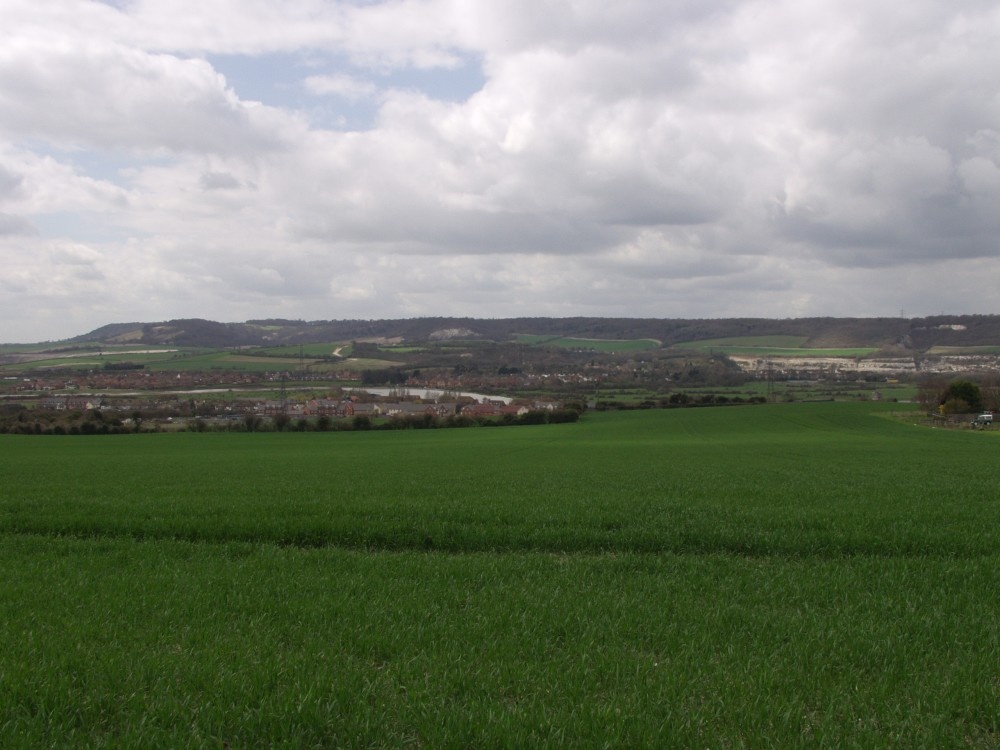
pixel 328 159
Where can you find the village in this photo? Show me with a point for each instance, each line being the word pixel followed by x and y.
pixel 230 399
pixel 342 408
pixel 490 383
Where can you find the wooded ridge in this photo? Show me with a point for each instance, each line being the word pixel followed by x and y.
pixel 908 334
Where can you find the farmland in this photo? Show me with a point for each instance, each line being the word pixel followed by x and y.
pixel 793 575
pixel 588 344
pixel 771 346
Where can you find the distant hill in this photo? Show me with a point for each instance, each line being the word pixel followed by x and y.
pixel 890 334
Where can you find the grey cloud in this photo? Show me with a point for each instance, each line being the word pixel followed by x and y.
pixel 10 183
pixel 447 232
pixel 219 181
pixel 15 225
pixel 668 265
pixel 893 211
pixel 637 202
pixel 87 273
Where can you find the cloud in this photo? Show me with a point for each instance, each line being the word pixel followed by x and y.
pixel 341 84
pixel 10 182
pixel 877 204
pixel 36 184
pixel 693 158
pixel 219 181
pixel 15 225
pixel 87 94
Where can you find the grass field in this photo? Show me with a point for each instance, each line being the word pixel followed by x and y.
pixel 796 575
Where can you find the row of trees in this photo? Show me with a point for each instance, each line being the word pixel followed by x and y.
pixel 361 422
pixel 32 422
pixel 681 399
pixel 21 421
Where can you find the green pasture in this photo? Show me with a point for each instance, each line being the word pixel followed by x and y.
pixel 600 345
pixel 770 346
pixel 795 575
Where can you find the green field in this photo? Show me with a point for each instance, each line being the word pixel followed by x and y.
pixel 197 360
pixel 771 346
pixel 787 576
pixel 97 358
pixel 598 345
pixel 152 358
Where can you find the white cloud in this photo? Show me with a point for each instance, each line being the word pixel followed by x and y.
pixel 341 84
pixel 111 97
pixel 33 187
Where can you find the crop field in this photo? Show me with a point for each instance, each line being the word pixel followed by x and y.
pixel 97 358
pixel 600 345
pixel 225 360
pixel 181 359
pixel 248 362
pixel 792 575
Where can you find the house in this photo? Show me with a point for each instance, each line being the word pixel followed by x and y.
pixel 68 403
pixel 494 409
pixel 326 407
pixel 545 405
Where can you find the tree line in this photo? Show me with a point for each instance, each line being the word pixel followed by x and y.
pixel 960 396
pixel 23 421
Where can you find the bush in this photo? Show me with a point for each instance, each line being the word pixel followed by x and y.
pixel 564 416
pixel 534 417
pixel 962 397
